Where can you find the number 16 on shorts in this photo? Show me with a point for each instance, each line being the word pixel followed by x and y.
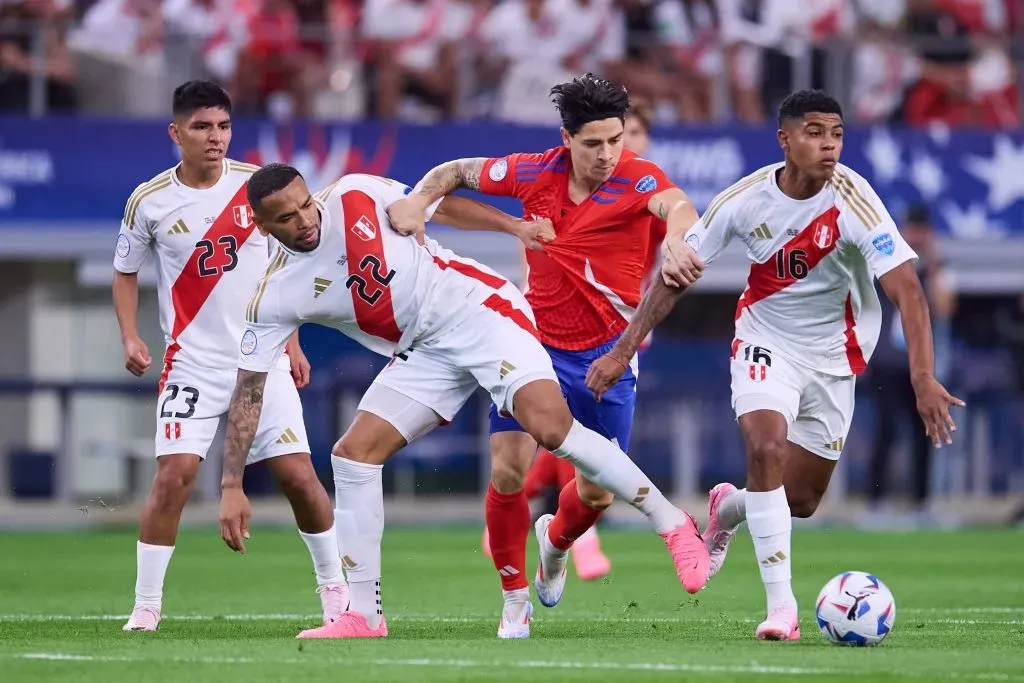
pixel 759 360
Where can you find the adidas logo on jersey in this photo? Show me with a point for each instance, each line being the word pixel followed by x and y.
pixel 761 232
pixel 288 436
pixel 836 445
pixel 179 228
pixel 320 286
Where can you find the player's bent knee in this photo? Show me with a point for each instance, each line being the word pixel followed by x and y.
pixel 592 495
pixel 542 411
pixel 507 476
pixel 767 451
pixel 803 504
pixel 294 473
pixel 175 474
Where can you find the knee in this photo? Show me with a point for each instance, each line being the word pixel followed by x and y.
pixel 175 475
pixel 299 480
pixel 803 504
pixel 507 476
pixel 768 450
pixel 592 495
pixel 354 449
pixel 546 418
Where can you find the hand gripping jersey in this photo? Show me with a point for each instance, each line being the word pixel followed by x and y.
pixel 585 285
pixel 382 289
pixel 810 294
pixel 209 257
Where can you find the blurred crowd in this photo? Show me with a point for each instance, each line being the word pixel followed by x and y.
pixel 918 61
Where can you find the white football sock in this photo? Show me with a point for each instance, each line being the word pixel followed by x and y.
pixel 517 596
pixel 359 520
pixel 771 527
pixel 605 464
pixel 733 509
pixel 151 567
pixel 323 548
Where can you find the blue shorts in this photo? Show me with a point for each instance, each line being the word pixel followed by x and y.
pixel 611 418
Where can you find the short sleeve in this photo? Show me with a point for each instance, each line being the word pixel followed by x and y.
pixel 714 230
pixel 507 176
pixel 650 180
pixel 866 223
pixel 268 325
pixel 135 238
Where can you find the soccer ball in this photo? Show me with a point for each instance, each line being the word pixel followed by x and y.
pixel 855 608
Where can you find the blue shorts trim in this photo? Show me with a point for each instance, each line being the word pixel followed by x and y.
pixel 612 418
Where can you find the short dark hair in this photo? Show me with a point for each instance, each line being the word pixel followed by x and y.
pixel 193 95
pixel 804 102
pixel 589 98
pixel 268 180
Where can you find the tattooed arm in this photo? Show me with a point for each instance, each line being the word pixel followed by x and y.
pixel 673 206
pixel 243 416
pixel 442 180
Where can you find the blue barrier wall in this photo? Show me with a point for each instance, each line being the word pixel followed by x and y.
pixel 70 172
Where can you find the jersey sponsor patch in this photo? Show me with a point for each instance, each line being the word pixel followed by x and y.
pixel 498 170
pixel 884 244
pixel 123 246
pixel 248 343
pixel 646 184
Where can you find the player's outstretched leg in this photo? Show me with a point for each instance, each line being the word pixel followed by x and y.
pixel 357 460
pixel 541 409
pixel 508 525
pixel 175 474
pixel 315 518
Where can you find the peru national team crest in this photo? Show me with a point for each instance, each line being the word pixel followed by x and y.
pixel 243 216
pixel 823 236
pixel 758 373
pixel 364 229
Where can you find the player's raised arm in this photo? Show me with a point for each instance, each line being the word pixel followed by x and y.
pixel 409 214
pixel 680 265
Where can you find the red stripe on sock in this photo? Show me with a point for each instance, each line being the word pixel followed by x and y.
pixel 573 518
pixel 508 525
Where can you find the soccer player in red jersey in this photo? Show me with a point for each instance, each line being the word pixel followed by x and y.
pixel 548 470
pixel 583 287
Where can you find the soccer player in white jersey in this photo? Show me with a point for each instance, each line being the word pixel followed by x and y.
pixel 449 325
pixel 196 221
pixel 817 235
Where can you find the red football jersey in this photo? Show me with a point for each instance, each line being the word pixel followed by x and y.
pixel 585 286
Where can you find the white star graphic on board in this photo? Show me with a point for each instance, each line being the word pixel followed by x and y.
pixel 927 176
pixel 883 152
pixel 971 222
pixel 1003 173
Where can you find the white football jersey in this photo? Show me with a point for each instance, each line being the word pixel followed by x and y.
pixel 810 293
pixel 382 289
pixel 209 257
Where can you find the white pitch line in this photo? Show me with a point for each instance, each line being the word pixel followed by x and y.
pixel 929 616
pixel 669 667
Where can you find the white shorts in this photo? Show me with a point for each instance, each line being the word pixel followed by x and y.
pixel 191 414
pixel 495 348
pixel 818 407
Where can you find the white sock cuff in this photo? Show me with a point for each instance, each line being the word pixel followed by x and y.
pixel 154 549
pixel 326 535
pixel 768 513
pixel 576 432
pixel 352 472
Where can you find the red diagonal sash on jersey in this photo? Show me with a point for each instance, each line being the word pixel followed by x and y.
pixel 364 247
pixel 191 290
pixel 816 241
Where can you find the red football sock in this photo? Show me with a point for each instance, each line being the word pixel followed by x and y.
pixel 572 518
pixel 566 472
pixel 508 524
pixel 543 473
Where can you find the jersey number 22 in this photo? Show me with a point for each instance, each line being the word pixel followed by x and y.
pixel 369 283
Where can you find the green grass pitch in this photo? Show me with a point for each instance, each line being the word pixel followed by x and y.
pixel 959 613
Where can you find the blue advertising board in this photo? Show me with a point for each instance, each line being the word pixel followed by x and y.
pixel 64 173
